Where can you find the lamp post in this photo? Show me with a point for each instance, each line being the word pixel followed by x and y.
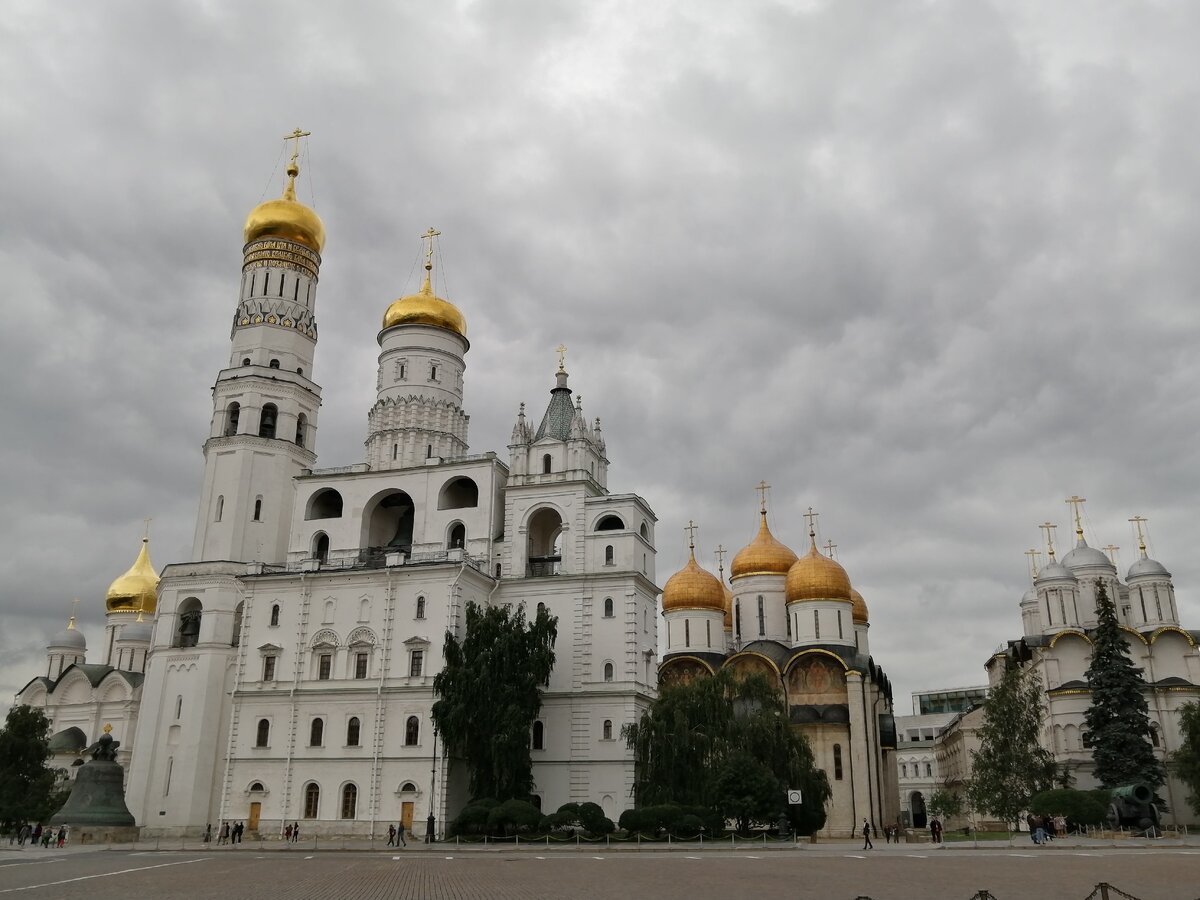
pixel 431 822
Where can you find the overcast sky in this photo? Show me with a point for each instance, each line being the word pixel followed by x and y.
pixel 929 268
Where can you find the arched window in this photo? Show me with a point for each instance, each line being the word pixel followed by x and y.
pixel 349 801
pixel 300 371
pixel 645 532
pixel 608 607
pixel 607 729
pixel 459 493
pixel 246 361
pixel 220 507
pixel 608 555
pixel 275 362
pixel 1154 735
pixel 499 569
pixel 262 737
pixel 837 762
pixel 352 732
pixel 267 419
pixel 324 504
pixel 312 801
pixel 236 637
pixel 257 787
pixel 608 671
pixel 458 537
pixel 546 463
pixel 412 731
pixel 420 608
pixel 233 414
pixel 408 788
pixel 539 735
pixel 188 633
pixel 257 509
pixel 316 733
pixel 301 427
pixel 321 546
pixel 179 706
pixel 274 615
pixel 610 523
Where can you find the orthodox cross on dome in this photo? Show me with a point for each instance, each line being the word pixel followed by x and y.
pixel 830 547
pixel 1033 553
pixel 1076 504
pixel 720 552
pixel 812 524
pixel 429 236
pixel 146 528
pixel 690 528
pixel 762 487
pixel 74 611
pixel 1048 528
pixel 1138 522
pixel 1111 550
pixel 561 350
pixel 295 136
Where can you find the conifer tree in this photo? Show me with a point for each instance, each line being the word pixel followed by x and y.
pixel 26 784
pixel 1118 721
pixel 1187 757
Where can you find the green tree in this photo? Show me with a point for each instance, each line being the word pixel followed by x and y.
pixel 945 803
pixel 26 784
pixel 1079 807
pixel 490 692
pixel 682 743
pixel 1187 758
pixel 1011 765
pixel 748 792
pixel 1117 724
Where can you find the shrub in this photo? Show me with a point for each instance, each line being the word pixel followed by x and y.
pixel 1079 807
pixel 513 817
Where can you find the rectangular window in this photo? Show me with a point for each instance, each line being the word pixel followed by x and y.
pixel 687 633
pixel 416 663
pixel 324 666
pixel 762 618
pixel 707 633
pixel 840 635
pixel 817 624
pixel 268 668
pixel 360 665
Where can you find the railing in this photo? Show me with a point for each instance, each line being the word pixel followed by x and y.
pixel 543 566
pixel 371 558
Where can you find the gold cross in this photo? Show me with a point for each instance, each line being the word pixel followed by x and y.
pixel 762 487
pixel 812 522
pixel 1138 522
pixel 561 350
pixel 690 528
pixel 1112 549
pixel 146 531
pixel 74 610
pixel 1033 555
pixel 830 546
pixel 429 236
pixel 1076 504
pixel 295 136
pixel 721 551
pixel 1048 528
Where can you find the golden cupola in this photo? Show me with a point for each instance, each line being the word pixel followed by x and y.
pixel 693 587
pixel 424 307
pixel 764 555
pixel 815 576
pixel 137 589
pixel 287 218
pixel 859 614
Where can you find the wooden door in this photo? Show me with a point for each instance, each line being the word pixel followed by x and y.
pixel 406 816
pixel 252 819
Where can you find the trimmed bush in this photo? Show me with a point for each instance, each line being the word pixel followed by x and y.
pixel 1079 807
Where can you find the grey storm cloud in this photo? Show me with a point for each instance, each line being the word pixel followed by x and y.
pixel 926 267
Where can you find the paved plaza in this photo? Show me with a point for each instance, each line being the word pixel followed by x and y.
pixel 829 872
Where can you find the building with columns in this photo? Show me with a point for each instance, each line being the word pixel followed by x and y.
pixel 798 621
pixel 287 673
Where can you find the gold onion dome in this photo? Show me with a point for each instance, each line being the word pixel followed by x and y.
pixel 425 308
pixel 817 577
pixel 693 588
pixel 859 615
pixel 137 589
pixel 764 555
pixel 287 218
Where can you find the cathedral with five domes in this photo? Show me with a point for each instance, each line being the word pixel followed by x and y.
pixel 284 673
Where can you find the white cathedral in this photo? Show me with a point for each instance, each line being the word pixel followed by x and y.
pixel 285 674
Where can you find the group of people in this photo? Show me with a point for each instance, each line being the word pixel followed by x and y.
pixel 291 834
pixel 396 836
pixel 39 834
pixel 891 833
pixel 1043 829
pixel 229 834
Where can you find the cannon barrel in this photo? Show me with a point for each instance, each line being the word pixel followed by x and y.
pixel 1137 793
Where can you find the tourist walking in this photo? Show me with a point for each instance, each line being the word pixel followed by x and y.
pixel 295 832
pixel 224 836
pixel 866 833
pixel 62 836
pixel 47 835
pixel 400 835
pixel 287 833
pixel 391 835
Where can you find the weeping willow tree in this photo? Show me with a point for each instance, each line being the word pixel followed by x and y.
pixel 692 737
pixel 490 692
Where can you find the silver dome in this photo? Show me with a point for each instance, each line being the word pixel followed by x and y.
pixel 1147 566
pixel 1054 570
pixel 69 637
pixel 1084 556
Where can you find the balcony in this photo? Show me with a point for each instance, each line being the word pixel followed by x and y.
pixel 543 566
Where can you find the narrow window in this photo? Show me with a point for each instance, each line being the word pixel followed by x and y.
pixel 788 619
pixel 737 619
pixel 840 635
pixel 499 570
pixel 299 371
pixel 608 555
pixel 349 801
pixel 170 769
pixel 1154 735
pixel 458 537
pixel 296 292
pixel 645 622
pixel 762 617
pixel 412 731
pixel 324 666
pixel 267 282
pixel 817 624
pixel 258 509
pixel 263 736
pixel 274 364
pixel 360 665
pixel 275 615
pixel 316 733
pixel 268 668
pixel 395 450
pixel 420 608
pixel 1142 598
pixel 608 671
pixel 608 607
pixel 321 548
pixel 301 427
pixel 687 635
pixel 352 730
pixel 266 420
pixel 1062 609
pixel 281 276
pixel 429 451
pixel 708 632
pixel 837 762
pixel 403 371
pixel 928 770
pixel 539 735
pixel 416 664
pixel 220 507
pixel 433 373
pixel 607 729
pixel 1157 602
pixel 178 706
pixel 312 800
pixel 232 417
pixel 546 464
